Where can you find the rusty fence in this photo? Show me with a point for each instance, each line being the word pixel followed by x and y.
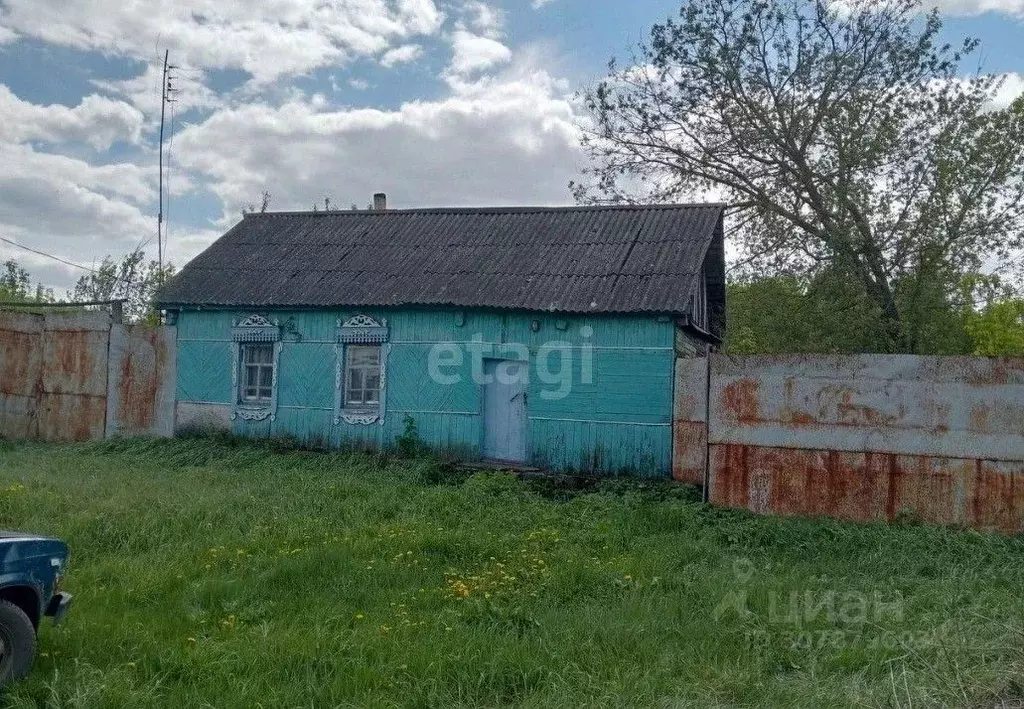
pixel 82 375
pixel 863 437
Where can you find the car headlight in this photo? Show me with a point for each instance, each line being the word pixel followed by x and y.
pixel 57 564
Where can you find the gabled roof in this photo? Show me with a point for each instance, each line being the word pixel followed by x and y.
pixel 568 259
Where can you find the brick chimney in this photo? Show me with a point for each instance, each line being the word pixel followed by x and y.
pixel 380 202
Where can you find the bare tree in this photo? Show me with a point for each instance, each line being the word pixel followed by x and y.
pixel 842 133
pixel 250 208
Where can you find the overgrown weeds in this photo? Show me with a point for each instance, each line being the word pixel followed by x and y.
pixel 224 572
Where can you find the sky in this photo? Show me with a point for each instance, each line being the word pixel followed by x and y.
pixel 435 102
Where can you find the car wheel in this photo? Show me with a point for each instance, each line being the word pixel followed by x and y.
pixel 17 643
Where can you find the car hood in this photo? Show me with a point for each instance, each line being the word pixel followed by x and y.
pixel 18 547
pixel 9 536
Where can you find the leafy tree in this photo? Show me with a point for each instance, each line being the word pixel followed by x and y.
pixel 133 279
pixel 14 282
pixel 997 326
pixel 829 314
pixel 842 134
pixel 16 285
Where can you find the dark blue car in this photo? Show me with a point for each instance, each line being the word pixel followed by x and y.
pixel 31 568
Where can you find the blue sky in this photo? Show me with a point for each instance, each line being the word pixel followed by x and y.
pixel 436 102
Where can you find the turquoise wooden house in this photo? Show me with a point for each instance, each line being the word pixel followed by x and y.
pixel 541 336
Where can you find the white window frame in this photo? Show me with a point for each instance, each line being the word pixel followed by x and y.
pixel 364 369
pixel 245 364
pixel 360 331
pixel 699 303
pixel 254 330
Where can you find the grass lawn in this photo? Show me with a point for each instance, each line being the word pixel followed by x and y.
pixel 218 574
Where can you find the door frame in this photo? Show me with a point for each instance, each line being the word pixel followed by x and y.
pixel 482 391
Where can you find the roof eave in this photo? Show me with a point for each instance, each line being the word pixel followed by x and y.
pixel 174 305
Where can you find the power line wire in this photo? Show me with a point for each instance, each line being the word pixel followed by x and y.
pixel 144 242
pixel 51 256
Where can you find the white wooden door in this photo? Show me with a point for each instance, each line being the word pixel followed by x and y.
pixel 505 410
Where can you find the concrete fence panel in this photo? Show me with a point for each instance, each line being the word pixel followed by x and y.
pixel 21 358
pixel 77 376
pixel 142 372
pixel 870 437
pixel 690 427
pixel 73 391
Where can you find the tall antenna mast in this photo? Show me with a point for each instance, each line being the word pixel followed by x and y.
pixel 160 214
pixel 166 91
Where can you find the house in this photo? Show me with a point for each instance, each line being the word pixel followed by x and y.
pixel 546 336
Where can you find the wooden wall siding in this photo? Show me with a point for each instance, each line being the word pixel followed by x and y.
pixel 620 422
pixel 202 376
pixel 411 390
pixel 314 387
pixel 610 448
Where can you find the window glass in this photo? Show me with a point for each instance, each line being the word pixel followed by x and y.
pixel 363 375
pixel 257 373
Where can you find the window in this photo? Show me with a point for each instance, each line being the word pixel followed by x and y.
pixel 257 384
pixel 360 384
pixel 256 353
pixel 362 376
pixel 699 303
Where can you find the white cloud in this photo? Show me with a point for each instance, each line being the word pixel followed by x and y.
pixel 509 139
pixel 1012 87
pixel 485 19
pixel 975 7
pixel 7 36
pixel 538 4
pixel 950 8
pixel 66 206
pixel 144 90
pixel 82 212
pixel 505 133
pixel 181 245
pixel 268 39
pixel 401 55
pixel 475 53
pixel 98 121
pixel 125 181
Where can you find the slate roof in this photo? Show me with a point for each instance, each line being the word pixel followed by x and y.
pixel 568 259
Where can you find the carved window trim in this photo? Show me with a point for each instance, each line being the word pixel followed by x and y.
pixel 254 329
pixel 360 330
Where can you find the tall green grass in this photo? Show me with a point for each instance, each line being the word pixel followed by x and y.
pixel 220 573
